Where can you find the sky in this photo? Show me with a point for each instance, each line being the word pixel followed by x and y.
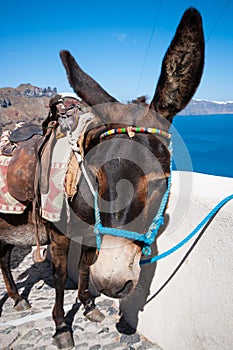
pixel 121 44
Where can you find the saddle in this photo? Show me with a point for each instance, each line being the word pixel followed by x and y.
pixel 31 149
pixel 24 170
pixel 29 168
pixel 25 132
pixel 22 133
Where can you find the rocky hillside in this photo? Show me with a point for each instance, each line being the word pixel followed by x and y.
pixel 26 102
pixel 202 107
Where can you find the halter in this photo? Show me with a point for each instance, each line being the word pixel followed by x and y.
pixel 149 237
pixel 158 220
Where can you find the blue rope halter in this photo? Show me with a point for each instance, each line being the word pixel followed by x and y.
pixel 158 220
pixel 149 237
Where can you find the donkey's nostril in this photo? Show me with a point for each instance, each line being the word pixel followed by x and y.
pixel 125 290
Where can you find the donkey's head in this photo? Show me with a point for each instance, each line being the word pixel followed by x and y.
pixel 132 166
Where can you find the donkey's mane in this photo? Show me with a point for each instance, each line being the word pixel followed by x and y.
pixel 141 100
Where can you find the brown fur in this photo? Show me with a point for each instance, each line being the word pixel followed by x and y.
pixel 116 270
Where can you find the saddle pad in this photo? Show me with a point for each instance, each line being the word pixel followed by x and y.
pixel 55 200
pixel 8 205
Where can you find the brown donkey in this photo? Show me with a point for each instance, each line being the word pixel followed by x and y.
pixel 128 168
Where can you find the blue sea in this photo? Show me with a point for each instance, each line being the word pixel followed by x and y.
pixel 204 144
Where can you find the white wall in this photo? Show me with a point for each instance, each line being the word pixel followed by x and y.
pixel 195 310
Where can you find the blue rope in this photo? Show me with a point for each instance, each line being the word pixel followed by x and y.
pixel 147 238
pixel 185 240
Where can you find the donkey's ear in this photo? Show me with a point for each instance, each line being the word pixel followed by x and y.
pixel 84 86
pixel 182 67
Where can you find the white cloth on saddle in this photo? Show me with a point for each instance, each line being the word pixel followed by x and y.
pixel 53 201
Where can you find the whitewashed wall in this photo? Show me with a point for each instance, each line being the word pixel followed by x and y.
pixel 195 310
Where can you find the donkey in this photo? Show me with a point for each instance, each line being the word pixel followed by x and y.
pixel 126 159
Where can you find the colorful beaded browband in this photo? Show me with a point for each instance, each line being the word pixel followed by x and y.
pixel 131 130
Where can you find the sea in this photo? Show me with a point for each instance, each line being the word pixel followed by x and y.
pixel 203 144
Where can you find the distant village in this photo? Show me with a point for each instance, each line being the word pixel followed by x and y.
pixel 33 92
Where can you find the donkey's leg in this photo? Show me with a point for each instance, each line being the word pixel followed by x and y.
pixel 5 256
pixel 84 295
pixel 59 253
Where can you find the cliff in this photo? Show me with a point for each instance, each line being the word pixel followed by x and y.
pixel 26 102
pixel 202 107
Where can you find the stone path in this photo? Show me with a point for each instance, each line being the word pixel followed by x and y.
pixel 34 328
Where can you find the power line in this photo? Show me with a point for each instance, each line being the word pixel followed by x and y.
pixel 149 45
pixel 153 31
pixel 218 20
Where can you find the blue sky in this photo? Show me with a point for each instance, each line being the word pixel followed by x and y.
pixel 110 41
